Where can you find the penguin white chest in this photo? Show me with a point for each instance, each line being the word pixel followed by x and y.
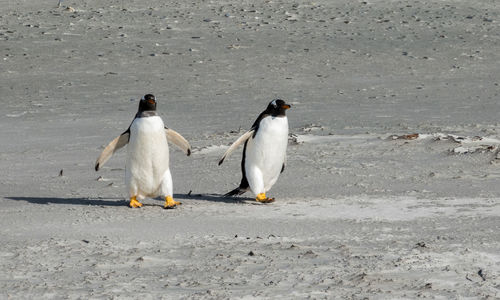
pixel 265 153
pixel 147 155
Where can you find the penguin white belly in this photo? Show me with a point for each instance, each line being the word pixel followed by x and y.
pixel 265 154
pixel 147 157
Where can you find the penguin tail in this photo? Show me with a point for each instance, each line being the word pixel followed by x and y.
pixel 236 192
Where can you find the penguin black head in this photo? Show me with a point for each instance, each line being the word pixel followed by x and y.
pixel 277 107
pixel 147 103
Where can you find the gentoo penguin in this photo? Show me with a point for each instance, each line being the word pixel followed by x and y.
pixel 147 169
pixel 264 152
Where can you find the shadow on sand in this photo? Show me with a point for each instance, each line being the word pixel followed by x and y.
pixel 73 201
pixel 123 202
pixel 213 198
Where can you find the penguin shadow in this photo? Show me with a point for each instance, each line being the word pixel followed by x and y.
pixel 214 198
pixel 121 202
pixel 73 201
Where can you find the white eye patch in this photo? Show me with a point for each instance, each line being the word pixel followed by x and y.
pixel 274 103
pixel 143 99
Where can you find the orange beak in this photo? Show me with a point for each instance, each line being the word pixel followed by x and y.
pixel 286 106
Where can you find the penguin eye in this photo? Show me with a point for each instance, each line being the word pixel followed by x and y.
pixel 274 103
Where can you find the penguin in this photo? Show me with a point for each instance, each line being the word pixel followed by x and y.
pixel 147 168
pixel 264 151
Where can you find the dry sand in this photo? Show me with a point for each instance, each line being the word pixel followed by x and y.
pixel 362 210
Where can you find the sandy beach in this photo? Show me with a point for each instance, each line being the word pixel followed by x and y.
pixel 391 189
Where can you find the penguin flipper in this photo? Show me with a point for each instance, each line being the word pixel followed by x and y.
pixel 178 140
pixel 111 148
pixel 235 145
